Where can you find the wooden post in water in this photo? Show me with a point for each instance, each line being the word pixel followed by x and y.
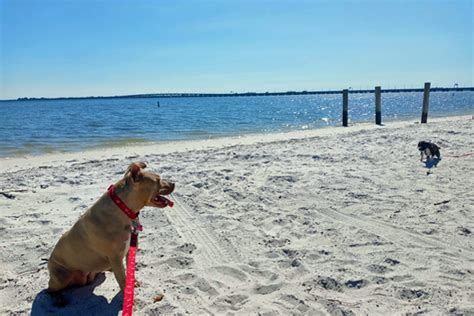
pixel 426 103
pixel 378 106
pixel 345 106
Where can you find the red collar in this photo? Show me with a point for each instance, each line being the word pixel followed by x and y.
pixel 120 203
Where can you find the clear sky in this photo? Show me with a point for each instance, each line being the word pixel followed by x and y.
pixel 81 48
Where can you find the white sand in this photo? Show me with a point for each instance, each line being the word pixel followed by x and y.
pixel 335 221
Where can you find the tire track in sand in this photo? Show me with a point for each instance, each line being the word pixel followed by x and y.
pixel 399 236
pixel 214 257
pixel 212 252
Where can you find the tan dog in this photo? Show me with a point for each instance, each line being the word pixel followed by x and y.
pixel 99 240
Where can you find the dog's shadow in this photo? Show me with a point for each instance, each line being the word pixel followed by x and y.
pixel 432 163
pixel 80 302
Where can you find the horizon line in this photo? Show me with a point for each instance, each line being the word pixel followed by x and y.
pixel 241 94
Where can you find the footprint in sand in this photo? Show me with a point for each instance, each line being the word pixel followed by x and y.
pixel 224 272
pixel 204 286
pixel 334 309
pixel 255 271
pixel 356 284
pixel 379 280
pixel 376 268
pixel 187 248
pixel 233 302
pixel 267 289
pixel 392 262
pixel 326 283
pixel 179 262
pixel 294 304
pixel 163 309
pixel 290 252
pixel 409 294
pixel 234 194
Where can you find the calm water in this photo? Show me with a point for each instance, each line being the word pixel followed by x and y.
pixel 35 127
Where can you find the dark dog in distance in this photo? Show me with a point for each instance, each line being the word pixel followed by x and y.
pixel 429 150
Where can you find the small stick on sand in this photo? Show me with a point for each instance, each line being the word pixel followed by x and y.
pixel 7 195
pixel 443 202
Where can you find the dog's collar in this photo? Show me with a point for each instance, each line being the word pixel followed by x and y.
pixel 131 214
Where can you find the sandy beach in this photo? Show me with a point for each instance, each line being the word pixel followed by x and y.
pixel 339 221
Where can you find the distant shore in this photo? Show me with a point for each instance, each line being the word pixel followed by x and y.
pixel 243 94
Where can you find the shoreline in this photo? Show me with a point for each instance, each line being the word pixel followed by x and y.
pixel 13 163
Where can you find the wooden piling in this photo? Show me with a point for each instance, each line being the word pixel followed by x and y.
pixel 345 106
pixel 378 105
pixel 426 103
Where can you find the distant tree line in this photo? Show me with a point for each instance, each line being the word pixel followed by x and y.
pixel 246 94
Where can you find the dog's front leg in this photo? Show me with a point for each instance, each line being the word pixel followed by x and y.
pixel 428 154
pixel 116 263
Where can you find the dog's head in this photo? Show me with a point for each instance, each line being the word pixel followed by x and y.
pixel 148 185
pixel 422 145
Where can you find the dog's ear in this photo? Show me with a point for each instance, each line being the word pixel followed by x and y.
pixel 134 171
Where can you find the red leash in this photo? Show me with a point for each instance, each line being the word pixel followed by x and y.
pixel 128 296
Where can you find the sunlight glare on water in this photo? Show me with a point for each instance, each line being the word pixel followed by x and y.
pixel 40 126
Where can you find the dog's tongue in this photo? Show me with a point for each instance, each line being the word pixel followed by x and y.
pixel 165 201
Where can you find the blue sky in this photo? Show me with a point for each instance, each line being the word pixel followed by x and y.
pixel 82 48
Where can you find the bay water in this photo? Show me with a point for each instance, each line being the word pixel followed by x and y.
pixel 42 126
